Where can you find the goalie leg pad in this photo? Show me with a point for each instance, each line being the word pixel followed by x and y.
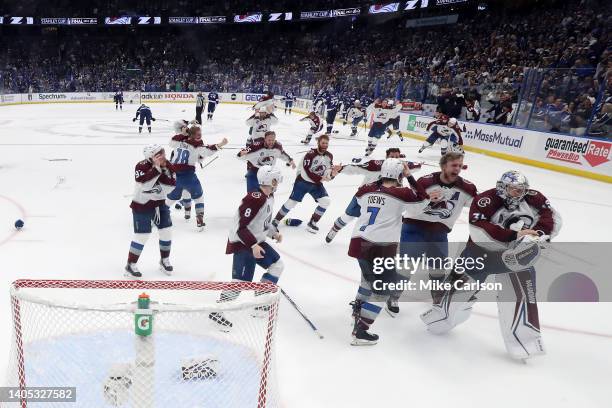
pixel 518 314
pixel 455 307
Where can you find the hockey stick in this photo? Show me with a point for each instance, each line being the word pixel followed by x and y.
pixel 464 167
pixel 207 164
pixel 307 320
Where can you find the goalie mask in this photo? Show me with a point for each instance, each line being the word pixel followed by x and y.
pixel 512 187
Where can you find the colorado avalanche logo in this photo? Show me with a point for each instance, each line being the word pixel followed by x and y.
pixel 523 220
pixel 155 190
pixel 442 209
pixel 266 160
pixel 318 169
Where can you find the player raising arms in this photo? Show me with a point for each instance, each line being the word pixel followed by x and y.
pixel 508 225
pixel 263 152
pixel 154 178
pixel 187 150
pixel 371 173
pixel 316 167
pixel 315 126
pixel 260 122
pixel 247 238
pixel 448 132
pixel 376 236
pixel 213 101
pixel 394 119
pixel 145 115
pixel 426 232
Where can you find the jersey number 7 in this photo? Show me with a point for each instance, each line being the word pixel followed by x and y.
pixel 373 214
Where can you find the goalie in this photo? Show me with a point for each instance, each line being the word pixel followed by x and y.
pixel 508 226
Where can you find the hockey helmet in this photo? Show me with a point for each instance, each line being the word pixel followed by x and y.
pixel 393 169
pixel 151 150
pixel 512 187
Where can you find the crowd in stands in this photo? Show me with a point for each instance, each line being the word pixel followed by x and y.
pixel 555 63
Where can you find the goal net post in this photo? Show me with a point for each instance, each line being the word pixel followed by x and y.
pixel 144 344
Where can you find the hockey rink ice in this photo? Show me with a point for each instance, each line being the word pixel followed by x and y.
pixel 67 171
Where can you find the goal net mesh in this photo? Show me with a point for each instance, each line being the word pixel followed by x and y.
pixel 95 336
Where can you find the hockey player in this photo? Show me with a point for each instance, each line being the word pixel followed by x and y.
pixel 318 102
pixel 247 239
pixel 472 107
pixel 376 234
pixel 289 99
pixel 316 167
pixel 354 115
pixel 213 101
pixel 447 130
pixel 154 178
pixel 315 126
pixel 508 226
pixel 332 104
pixel 145 115
pixel 380 113
pixel 260 122
pixel 426 232
pixel 371 172
pixel 118 99
pixel 263 152
pixel 187 150
pixel 394 119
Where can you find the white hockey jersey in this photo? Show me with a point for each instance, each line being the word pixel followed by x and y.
pixel 442 215
pixel 261 125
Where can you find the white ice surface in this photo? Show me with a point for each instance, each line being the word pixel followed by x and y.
pixel 80 228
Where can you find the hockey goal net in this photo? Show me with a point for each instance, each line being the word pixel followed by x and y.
pixel 144 344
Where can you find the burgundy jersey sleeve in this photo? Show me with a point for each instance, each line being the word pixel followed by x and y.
pixel 482 229
pixel 145 171
pixel 249 207
pixel 373 165
pixel 284 155
pixel 468 187
pixel 167 175
pixel 419 191
pixel 540 203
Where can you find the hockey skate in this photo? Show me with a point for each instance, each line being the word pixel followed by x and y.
pixel 200 222
pixel 361 337
pixel 223 324
pixel 330 235
pixel 165 267
pixel 305 141
pixel 392 307
pixel 261 312
pixel 312 227
pixel 131 271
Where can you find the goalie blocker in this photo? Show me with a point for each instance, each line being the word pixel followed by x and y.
pixel 508 225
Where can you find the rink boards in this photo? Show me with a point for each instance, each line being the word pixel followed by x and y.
pixel 578 156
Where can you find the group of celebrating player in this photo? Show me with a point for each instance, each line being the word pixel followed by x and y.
pixel 393 213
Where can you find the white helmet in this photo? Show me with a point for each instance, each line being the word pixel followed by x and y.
pixel 392 168
pixel 357 102
pixel 516 180
pixel 266 175
pixel 151 150
pixel 452 122
pixel 179 125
